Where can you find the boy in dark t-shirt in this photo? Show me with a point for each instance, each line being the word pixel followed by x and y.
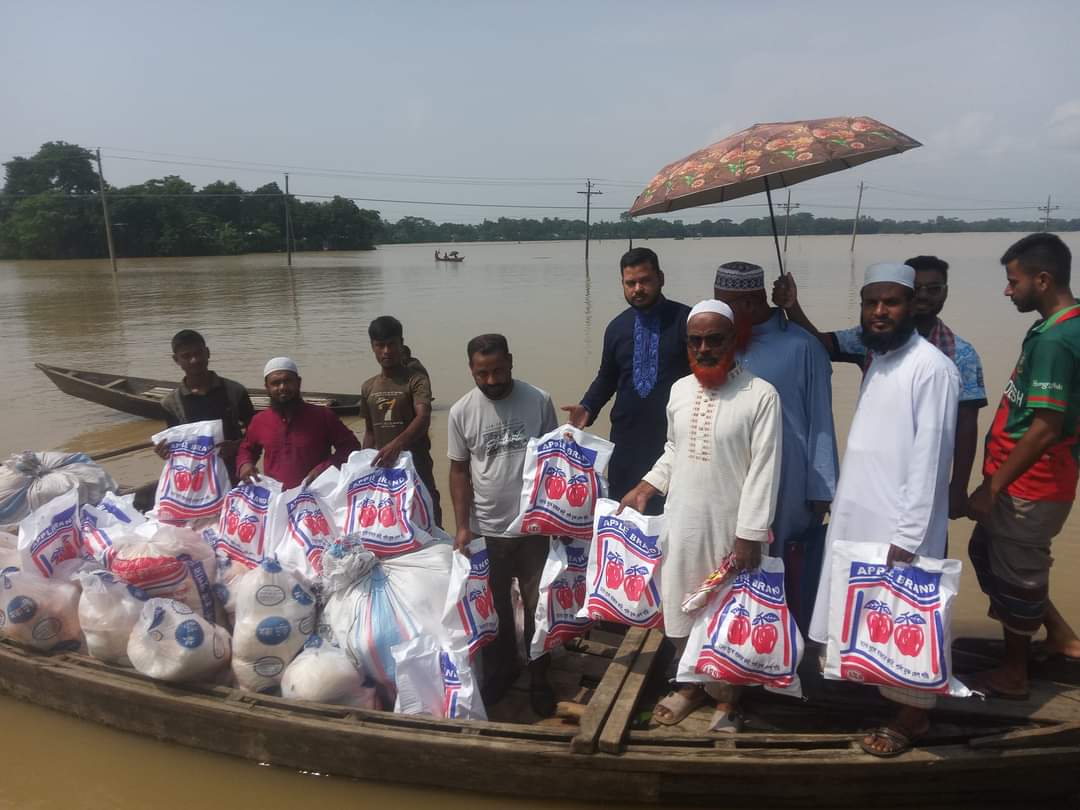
pixel 396 405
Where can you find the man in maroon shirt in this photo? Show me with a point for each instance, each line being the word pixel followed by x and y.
pixel 297 440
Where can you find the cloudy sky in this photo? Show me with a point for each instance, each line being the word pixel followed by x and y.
pixel 514 103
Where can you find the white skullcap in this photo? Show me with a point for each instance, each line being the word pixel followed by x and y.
pixel 712 305
pixel 893 272
pixel 280 364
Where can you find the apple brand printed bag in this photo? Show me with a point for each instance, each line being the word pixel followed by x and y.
pixel 50 540
pixel 746 636
pixel 300 530
pixel 469 600
pixel 562 596
pixel 435 681
pixel 242 530
pixel 194 481
pixel 624 567
pixel 891 626
pixel 102 525
pixel 563 480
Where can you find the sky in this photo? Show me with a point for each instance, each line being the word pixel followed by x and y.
pixel 486 104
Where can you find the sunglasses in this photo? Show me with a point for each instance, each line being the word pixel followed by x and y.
pixel 713 340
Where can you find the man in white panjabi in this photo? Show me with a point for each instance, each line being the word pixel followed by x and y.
pixel 720 472
pixel 894 478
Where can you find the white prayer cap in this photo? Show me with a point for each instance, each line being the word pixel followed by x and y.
pixel 280 364
pixel 739 277
pixel 893 272
pixel 711 305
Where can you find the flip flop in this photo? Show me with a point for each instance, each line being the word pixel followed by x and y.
pixel 1040 655
pixel 980 683
pixel 678 706
pixel 900 742
pixel 726 722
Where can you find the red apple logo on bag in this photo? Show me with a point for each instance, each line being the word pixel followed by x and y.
pixel 311 523
pixel 613 571
pixel 878 621
pixel 765 634
pixel 480 603
pixel 579 590
pixel 564 595
pixel 578 491
pixel 247 529
pixel 387 516
pixel 367 514
pixel 909 635
pixel 739 628
pixel 554 483
pixel 232 521
pixel 182 480
pixel 324 525
pixel 197 478
pixel 634 582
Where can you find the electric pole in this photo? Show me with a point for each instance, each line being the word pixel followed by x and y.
pixel 855 224
pixel 288 224
pixel 105 212
pixel 787 216
pixel 1046 209
pixel 588 192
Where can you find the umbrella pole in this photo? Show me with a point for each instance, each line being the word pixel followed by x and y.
pixel 775 234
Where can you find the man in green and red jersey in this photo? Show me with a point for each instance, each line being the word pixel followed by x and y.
pixel 1030 470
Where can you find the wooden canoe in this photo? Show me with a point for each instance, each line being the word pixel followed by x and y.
pixel 142 396
pixel 977 754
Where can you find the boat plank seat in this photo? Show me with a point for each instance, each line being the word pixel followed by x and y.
pixel 603 700
pixel 622 712
pixel 118 381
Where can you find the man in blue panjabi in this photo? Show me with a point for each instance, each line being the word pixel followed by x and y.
pixel 644 354
pixel 798 367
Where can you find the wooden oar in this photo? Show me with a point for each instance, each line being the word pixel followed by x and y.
pixel 121 451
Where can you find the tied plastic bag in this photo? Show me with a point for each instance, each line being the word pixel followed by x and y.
pixel 274 616
pixel 469 601
pixel 563 480
pixel 436 681
pixel 562 596
pixel 300 530
pixel 388 508
pixel 242 530
pixel 194 481
pixel 624 567
pixel 373 605
pixel 113 518
pixel 746 636
pixel 9 551
pixel 38 612
pixel 173 563
pixel 30 480
pixel 50 542
pixel 108 611
pixel 891 626
pixel 171 643
pixel 324 673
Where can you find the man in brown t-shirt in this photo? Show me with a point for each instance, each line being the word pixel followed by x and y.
pixel 396 405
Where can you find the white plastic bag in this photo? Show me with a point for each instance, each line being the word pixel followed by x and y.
pixel 624 567
pixel 50 541
pixel 436 681
pixel 170 642
pixel 301 527
pixel 324 673
pixel 564 477
pixel 746 636
pixel 242 531
pixel 274 616
pixel 9 551
pixel 108 611
pixel 30 480
pixel 470 604
pixel 173 563
pixel 38 612
pixel 562 596
pixel 194 480
pixel 104 524
pixel 892 626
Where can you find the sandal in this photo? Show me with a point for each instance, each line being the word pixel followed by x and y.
pixel 726 721
pixel 980 683
pixel 900 743
pixel 677 706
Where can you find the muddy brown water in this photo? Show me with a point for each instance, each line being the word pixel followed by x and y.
pixel 250 308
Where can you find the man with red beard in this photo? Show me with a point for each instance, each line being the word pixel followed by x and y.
pixel 720 471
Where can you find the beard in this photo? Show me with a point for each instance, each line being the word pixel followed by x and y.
pixel 286 407
pixel 883 342
pixel 712 376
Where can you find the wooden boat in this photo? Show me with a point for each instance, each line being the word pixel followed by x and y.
pixel 976 754
pixel 449 258
pixel 142 396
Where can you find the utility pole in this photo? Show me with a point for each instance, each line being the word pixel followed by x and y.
pixel 588 192
pixel 1046 209
pixel 855 224
pixel 787 216
pixel 105 212
pixel 288 224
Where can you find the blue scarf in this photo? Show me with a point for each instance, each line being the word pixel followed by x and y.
pixel 646 351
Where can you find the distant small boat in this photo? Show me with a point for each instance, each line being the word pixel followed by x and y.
pixel 449 258
pixel 142 397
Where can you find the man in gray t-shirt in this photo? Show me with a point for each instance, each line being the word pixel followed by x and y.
pixel 489 429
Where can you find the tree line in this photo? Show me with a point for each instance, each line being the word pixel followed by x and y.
pixel 50 208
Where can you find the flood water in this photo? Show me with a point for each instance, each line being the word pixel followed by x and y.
pixel 76 314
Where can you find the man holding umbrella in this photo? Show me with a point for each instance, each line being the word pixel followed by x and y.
pixel 644 353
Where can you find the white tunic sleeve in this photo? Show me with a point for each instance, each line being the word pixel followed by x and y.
pixel 757 502
pixel 934 401
pixel 660 475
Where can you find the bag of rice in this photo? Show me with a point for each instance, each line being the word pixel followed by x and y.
pixel 174 563
pixel 171 643
pixel 114 517
pixel 50 542
pixel 38 612
pixel 300 530
pixel 324 673
pixel 108 610
pixel 242 530
pixel 562 597
pixel 435 681
pixel 194 480
pixel 9 551
pixel 470 605
pixel 30 480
